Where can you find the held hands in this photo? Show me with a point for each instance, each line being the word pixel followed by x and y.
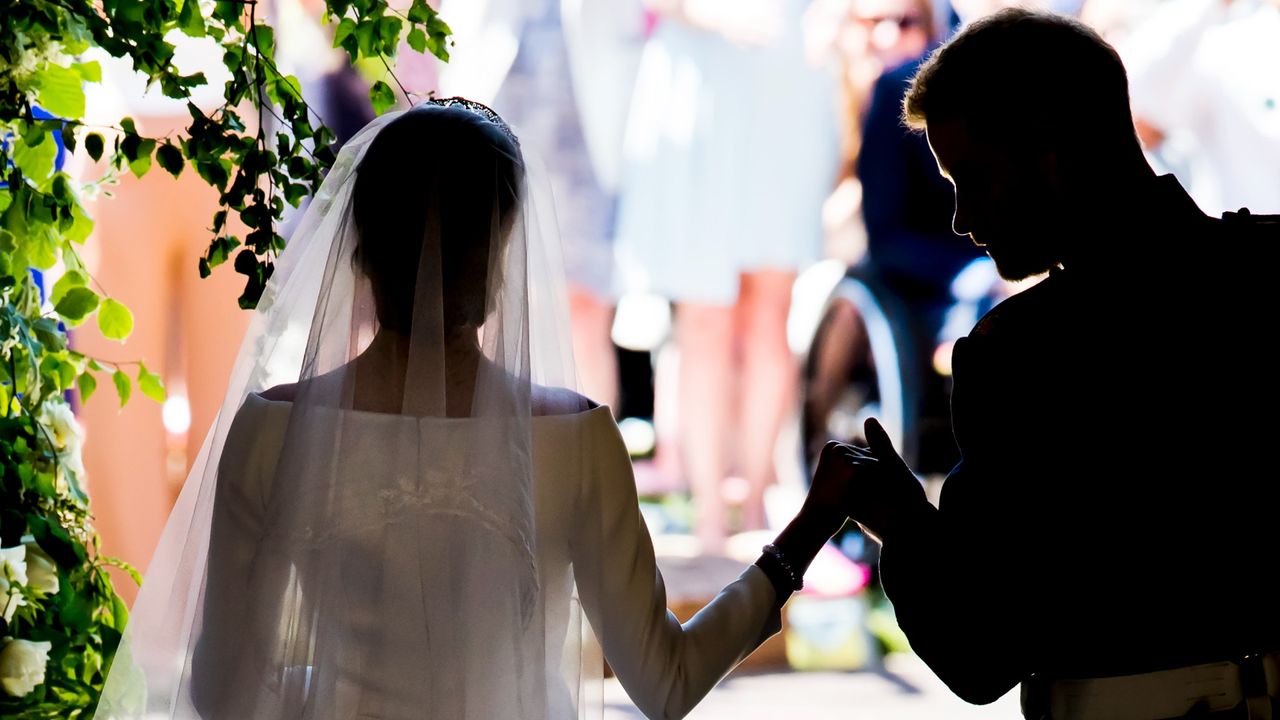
pixel 872 485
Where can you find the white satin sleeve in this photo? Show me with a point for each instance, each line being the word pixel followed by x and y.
pixel 221 650
pixel 665 667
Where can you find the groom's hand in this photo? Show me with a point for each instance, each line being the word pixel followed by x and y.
pixel 883 496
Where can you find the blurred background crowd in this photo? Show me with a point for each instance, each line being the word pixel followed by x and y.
pixel 759 253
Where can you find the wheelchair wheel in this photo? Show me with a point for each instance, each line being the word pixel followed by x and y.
pixel 854 370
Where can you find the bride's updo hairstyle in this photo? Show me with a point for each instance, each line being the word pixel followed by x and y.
pixel 444 177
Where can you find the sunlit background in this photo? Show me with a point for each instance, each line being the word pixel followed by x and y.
pixel 724 171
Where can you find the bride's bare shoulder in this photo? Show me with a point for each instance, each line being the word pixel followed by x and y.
pixel 560 401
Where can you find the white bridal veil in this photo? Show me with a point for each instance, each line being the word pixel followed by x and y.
pixel 356 538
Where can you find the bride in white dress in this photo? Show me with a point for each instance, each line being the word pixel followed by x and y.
pixel 404 510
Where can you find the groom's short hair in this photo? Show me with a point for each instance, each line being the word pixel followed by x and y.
pixel 1027 76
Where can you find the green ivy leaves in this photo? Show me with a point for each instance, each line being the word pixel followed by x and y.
pixel 170 157
pixel 93 144
pixel 382 97
pixel 76 305
pixel 150 385
pixel 258 165
pixel 364 30
pixel 115 320
pixel 60 91
pixel 124 388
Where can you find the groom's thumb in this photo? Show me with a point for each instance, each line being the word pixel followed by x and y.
pixel 878 439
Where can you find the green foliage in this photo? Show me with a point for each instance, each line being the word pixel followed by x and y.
pixel 43 507
pixel 115 320
pixel 43 221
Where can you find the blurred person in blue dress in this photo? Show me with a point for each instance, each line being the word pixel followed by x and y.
pixel 730 150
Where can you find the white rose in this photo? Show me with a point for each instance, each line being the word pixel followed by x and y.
pixel 13 571
pixel 22 665
pixel 42 571
pixel 71 458
pixel 58 417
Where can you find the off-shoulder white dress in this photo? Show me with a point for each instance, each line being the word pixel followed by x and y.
pixel 590 538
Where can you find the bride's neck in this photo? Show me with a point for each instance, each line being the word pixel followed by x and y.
pixel 386 372
pixel 461 347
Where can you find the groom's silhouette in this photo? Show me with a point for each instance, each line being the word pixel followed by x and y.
pixel 1114 513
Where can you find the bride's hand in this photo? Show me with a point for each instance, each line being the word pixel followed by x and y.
pixel 827 504
pixel 823 512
